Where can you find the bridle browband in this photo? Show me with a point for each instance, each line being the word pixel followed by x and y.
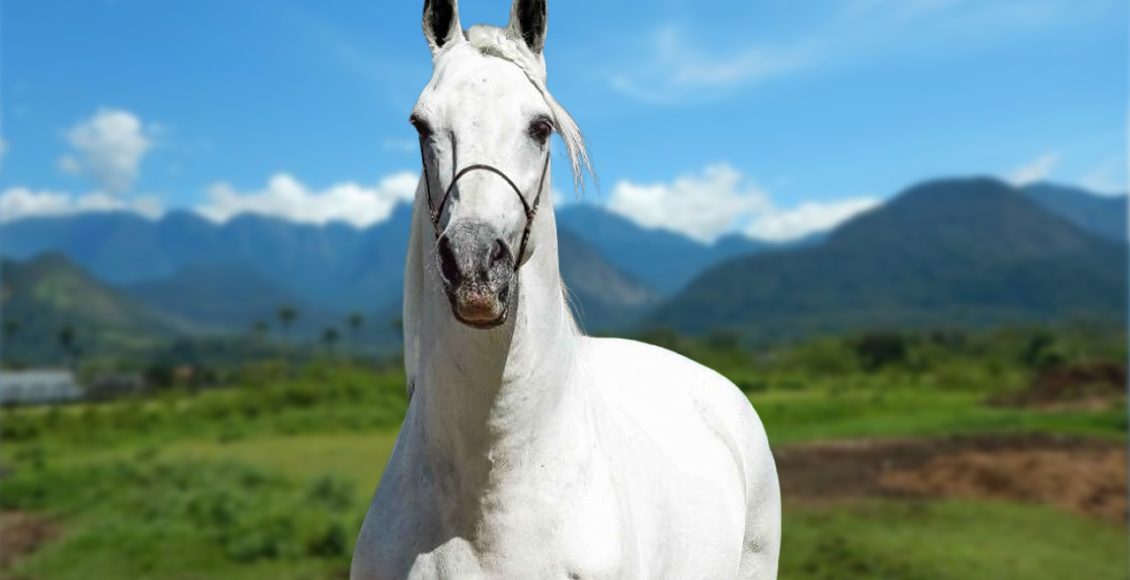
pixel 435 213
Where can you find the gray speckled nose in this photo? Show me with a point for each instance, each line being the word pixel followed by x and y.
pixel 477 266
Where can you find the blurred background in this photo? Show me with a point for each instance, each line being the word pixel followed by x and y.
pixel 899 226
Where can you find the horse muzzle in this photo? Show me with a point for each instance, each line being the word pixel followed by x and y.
pixel 477 269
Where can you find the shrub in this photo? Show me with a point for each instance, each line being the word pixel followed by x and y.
pixel 877 351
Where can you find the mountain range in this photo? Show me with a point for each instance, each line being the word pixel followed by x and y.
pixel 948 253
pixel 961 252
pixel 662 259
pixel 1103 215
pixel 226 277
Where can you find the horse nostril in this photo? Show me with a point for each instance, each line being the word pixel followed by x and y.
pixel 499 251
pixel 449 268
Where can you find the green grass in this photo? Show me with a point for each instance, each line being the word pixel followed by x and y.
pixel 358 457
pixel 271 477
pixel 944 540
pixel 133 523
pixel 813 414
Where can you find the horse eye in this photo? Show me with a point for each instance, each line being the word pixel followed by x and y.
pixel 422 126
pixel 540 130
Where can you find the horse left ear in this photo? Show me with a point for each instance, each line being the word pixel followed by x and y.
pixel 529 19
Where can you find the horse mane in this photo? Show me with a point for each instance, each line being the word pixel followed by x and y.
pixel 507 45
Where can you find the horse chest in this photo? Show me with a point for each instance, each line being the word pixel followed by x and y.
pixel 529 530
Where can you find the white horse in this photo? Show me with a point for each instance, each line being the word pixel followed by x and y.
pixel 528 449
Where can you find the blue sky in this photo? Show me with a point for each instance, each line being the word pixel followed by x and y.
pixel 772 118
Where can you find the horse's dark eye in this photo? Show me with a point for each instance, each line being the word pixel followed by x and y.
pixel 422 126
pixel 540 130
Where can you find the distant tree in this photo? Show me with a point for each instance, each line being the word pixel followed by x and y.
pixel 330 337
pixel 1042 352
pixel 879 350
pixel 11 328
pixel 287 315
pixel 159 376
pixel 664 337
pixel 69 345
pixel 724 340
pixel 356 321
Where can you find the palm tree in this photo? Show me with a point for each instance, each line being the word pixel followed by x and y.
pixel 11 329
pixel 67 341
pixel 356 321
pixel 330 336
pixel 287 314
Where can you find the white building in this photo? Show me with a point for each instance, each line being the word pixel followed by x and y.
pixel 38 386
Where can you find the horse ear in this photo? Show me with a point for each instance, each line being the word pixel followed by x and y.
pixel 529 19
pixel 441 23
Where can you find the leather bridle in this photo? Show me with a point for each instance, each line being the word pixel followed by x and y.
pixel 531 209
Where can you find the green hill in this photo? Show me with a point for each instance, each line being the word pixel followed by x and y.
pixel 949 253
pixel 43 296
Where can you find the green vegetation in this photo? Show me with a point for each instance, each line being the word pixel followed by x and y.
pixel 54 311
pixel 270 476
pixel 948 540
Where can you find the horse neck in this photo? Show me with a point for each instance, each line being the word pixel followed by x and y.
pixel 483 396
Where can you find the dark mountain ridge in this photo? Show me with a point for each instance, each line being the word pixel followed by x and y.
pixel 662 259
pixel 960 252
pixel 186 265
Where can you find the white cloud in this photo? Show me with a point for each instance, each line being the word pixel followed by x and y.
pixel 1108 177
pixel 1036 170
pixel 21 202
pixel 720 201
pixel 706 205
pixel 703 206
pixel 107 149
pixel 678 67
pixel 285 197
pixel 808 218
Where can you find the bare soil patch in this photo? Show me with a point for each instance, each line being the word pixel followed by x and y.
pixel 1082 386
pixel 1084 476
pixel 22 533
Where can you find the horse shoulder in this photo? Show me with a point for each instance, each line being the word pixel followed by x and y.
pixel 692 430
pixel 655 383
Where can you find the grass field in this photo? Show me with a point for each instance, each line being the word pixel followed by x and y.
pixel 271 478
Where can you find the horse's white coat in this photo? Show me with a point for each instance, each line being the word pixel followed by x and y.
pixel 529 450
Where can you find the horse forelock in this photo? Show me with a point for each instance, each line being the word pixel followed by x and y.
pixel 503 43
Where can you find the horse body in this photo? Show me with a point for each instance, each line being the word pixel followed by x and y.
pixel 532 451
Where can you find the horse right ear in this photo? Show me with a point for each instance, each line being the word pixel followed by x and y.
pixel 441 23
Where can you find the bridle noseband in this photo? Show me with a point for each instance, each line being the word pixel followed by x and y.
pixel 435 213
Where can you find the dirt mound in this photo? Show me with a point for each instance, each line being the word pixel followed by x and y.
pixel 1082 475
pixel 1091 482
pixel 1080 386
pixel 22 533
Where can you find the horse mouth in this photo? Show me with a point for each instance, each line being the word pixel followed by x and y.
pixel 479 309
pixel 483 324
